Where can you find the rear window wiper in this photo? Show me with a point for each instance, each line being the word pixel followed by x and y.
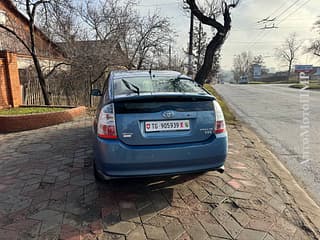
pixel 131 86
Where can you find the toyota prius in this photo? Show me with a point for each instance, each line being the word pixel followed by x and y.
pixel 151 123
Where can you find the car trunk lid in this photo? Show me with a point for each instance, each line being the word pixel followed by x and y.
pixel 164 120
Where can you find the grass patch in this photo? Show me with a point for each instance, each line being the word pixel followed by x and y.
pixel 312 86
pixel 229 117
pixel 29 110
pixel 299 86
pixel 274 82
pixel 285 82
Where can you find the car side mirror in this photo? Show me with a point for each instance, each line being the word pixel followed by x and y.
pixel 96 93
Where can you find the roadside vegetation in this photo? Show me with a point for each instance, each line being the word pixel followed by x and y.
pixel 312 86
pixel 229 116
pixel 29 110
pixel 275 82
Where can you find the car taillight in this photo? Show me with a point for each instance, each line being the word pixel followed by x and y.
pixel 107 123
pixel 220 125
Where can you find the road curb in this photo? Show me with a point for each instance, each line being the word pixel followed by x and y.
pixel 308 210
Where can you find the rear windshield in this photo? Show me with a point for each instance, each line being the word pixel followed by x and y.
pixel 145 106
pixel 132 85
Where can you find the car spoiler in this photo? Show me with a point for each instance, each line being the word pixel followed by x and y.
pixel 163 96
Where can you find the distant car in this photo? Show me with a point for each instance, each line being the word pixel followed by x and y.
pixel 156 123
pixel 243 80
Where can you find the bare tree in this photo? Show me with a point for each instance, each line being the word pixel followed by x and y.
pixel 200 44
pixel 146 39
pixel 89 33
pixel 107 19
pixel 31 8
pixel 215 66
pixel 241 65
pixel 177 63
pixel 287 53
pixel 216 8
pixel 314 48
pixel 60 23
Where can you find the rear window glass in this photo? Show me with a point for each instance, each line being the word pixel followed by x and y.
pixel 155 85
pixel 162 105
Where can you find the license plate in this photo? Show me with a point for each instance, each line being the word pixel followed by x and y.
pixel 173 125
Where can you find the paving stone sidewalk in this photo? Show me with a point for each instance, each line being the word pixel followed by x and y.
pixel 47 191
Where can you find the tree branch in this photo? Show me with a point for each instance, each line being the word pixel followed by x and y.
pixel 55 67
pixel 17 37
pixel 36 4
pixel 203 18
pixel 101 74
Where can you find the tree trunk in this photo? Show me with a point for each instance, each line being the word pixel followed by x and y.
pixel 140 63
pixel 42 80
pixel 219 38
pixel 199 46
pixel 289 70
pixel 212 48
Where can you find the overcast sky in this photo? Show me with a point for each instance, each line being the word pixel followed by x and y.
pixel 290 16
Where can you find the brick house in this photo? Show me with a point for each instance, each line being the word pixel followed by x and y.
pixel 88 60
pixel 13 18
pixel 14 56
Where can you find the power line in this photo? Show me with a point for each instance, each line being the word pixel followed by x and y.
pixel 274 12
pixel 269 20
pixel 288 8
pixel 297 9
pixel 263 33
pixel 282 20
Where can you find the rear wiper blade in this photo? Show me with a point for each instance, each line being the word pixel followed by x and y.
pixel 131 86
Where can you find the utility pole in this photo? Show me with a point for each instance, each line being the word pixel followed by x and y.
pixel 199 46
pixel 90 85
pixel 190 60
pixel 190 54
pixel 170 57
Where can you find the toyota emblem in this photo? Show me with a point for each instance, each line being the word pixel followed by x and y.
pixel 168 114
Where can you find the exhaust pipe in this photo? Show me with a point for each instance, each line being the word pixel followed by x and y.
pixel 221 169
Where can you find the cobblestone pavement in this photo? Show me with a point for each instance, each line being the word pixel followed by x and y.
pixel 47 191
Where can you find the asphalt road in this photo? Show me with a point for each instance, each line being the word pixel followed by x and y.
pixel 288 120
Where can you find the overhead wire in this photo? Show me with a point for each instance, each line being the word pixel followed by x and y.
pixel 297 9
pixel 264 32
pixel 288 8
pixel 277 9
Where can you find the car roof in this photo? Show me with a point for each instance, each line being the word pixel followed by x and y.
pixel 145 73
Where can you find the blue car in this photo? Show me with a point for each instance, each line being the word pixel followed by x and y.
pixel 151 123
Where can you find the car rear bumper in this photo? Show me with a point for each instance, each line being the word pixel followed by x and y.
pixel 116 159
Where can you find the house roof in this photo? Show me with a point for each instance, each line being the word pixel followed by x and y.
pixel 10 5
pixel 107 49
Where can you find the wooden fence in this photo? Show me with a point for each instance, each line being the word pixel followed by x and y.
pixel 32 94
